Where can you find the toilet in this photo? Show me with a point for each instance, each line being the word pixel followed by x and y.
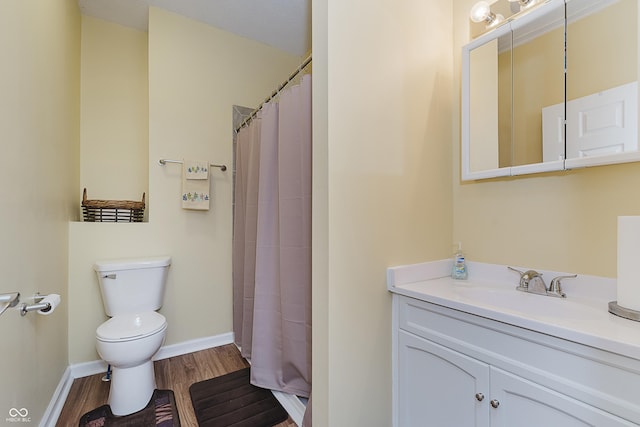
pixel 132 290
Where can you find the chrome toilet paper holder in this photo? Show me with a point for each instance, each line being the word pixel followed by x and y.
pixel 36 306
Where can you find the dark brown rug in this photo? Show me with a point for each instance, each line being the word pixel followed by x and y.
pixel 231 400
pixel 160 412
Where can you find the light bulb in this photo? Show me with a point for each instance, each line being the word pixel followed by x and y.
pixel 480 11
pixel 496 20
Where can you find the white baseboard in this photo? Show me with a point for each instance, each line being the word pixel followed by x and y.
pixel 193 345
pixel 292 405
pixel 54 409
pixel 80 370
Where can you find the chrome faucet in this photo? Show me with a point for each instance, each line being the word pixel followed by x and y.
pixel 532 281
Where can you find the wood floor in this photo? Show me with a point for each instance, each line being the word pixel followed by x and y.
pixel 175 373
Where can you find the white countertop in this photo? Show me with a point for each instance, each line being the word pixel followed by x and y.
pixel 581 317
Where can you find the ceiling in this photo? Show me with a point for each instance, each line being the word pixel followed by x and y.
pixel 283 24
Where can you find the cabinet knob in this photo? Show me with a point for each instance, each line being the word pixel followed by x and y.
pixel 479 397
pixel 494 403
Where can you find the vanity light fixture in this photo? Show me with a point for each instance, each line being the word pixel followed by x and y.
pixel 481 12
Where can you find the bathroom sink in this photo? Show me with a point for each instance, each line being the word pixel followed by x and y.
pixel 490 292
pixel 532 305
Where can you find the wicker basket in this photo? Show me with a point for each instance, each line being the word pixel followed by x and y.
pixel 111 210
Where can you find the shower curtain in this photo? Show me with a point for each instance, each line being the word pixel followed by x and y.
pixel 272 243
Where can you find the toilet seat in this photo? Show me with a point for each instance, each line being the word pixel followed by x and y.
pixel 130 327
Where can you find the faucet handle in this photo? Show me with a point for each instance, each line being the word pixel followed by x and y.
pixel 554 287
pixel 526 277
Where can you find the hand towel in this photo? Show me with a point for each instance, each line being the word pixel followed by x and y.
pixel 195 185
pixel 196 170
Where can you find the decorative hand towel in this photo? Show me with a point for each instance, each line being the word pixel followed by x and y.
pixel 195 185
pixel 196 170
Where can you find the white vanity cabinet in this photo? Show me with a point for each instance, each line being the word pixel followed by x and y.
pixel 438 386
pixel 519 402
pixel 453 368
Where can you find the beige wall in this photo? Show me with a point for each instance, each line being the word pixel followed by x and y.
pixel 561 221
pixel 39 130
pixel 114 130
pixel 196 73
pixel 320 289
pixel 382 183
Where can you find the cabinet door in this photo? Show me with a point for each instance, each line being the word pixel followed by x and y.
pixel 523 403
pixel 438 387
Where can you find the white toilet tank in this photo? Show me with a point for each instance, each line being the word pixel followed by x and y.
pixel 134 285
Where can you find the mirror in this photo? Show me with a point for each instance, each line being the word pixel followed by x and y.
pixel 489 96
pixel 602 82
pixel 538 82
pixel 514 72
pixel 514 82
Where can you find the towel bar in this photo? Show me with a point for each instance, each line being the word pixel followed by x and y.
pixel 162 162
pixel 9 300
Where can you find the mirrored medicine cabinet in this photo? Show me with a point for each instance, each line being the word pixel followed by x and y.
pixel 553 87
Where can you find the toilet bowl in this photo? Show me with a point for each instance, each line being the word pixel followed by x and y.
pixel 131 292
pixel 128 343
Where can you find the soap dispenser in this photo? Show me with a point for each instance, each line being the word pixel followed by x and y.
pixel 459 269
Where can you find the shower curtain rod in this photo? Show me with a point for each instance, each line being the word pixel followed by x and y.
pixel 275 93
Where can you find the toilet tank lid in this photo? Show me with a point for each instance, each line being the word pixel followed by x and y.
pixel 132 263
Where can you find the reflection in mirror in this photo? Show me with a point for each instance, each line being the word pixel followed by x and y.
pixel 538 82
pixel 518 121
pixel 490 102
pixel 510 76
pixel 602 75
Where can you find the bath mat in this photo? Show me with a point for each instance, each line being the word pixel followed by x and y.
pixel 231 400
pixel 160 412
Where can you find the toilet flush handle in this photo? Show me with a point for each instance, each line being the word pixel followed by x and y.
pixel 109 276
